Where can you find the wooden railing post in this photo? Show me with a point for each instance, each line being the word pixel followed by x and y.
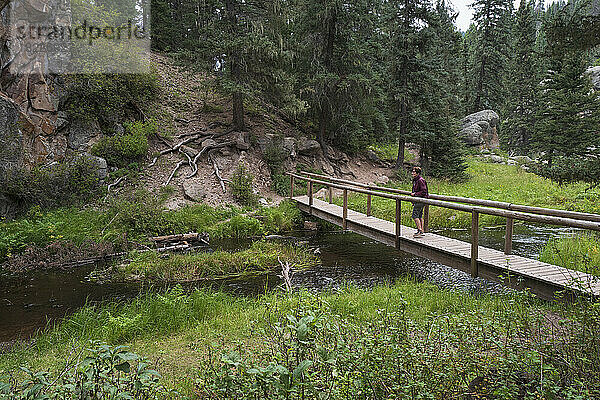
pixel 345 212
pixel 510 223
pixel 398 221
pixel 368 204
pixel 330 195
pixel 291 186
pixel 310 196
pixel 474 244
pixel 426 218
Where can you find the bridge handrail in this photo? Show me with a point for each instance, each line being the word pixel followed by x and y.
pixel 474 210
pixel 569 222
pixel 468 200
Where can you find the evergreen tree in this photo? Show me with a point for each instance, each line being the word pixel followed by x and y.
pixel 568 119
pixel 407 70
pixel 339 73
pixel 522 84
pixel 492 19
pixel 423 74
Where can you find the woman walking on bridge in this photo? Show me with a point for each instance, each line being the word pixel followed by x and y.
pixel 419 189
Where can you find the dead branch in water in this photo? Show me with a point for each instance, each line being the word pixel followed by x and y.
pixel 286 274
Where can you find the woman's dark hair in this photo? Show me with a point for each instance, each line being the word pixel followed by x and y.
pixel 417 170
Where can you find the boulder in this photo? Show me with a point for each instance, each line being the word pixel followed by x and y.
pixel 372 156
pixel 496 159
pixel 308 147
pixel 522 159
pixel 264 141
pixel 100 164
pixel 11 137
pixel 383 179
pixel 241 141
pixel 481 129
pixel 194 191
pixel 594 74
pixel 83 134
pixel 289 146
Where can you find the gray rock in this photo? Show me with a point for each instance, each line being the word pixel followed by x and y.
pixel 82 134
pixel 193 191
pixel 208 143
pixel 594 74
pixel 100 164
pixel 372 156
pixel 522 159
pixel 264 141
pixel 481 129
pixel 289 145
pixel 511 162
pixel 241 141
pixel 262 201
pixel 11 137
pixel 308 147
pixel 383 179
pixel 496 159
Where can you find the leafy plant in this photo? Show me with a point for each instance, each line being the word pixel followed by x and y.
pixel 129 147
pixel 105 373
pixel 241 186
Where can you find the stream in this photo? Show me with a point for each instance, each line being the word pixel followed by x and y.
pixel 31 301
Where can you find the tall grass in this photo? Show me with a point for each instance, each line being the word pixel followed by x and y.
pixel 580 253
pixel 261 257
pixel 409 340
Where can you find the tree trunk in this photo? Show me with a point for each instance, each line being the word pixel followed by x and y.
pixel 238 111
pixel 477 104
pixel 402 133
pixel 236 72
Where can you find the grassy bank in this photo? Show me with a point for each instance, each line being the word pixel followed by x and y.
pixel 261 257
pixel 492 182
pixel 127 223
pixel 410 340
pixel 579 252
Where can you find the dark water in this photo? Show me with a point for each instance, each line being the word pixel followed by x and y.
pixel 28 303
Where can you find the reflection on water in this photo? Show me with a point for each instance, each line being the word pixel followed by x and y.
pixel 28 302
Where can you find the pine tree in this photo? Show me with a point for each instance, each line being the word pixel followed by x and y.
pixel 338 49
pixel 523 81
pixel 492 19
pixel 407 69
pixel 424 70
pixel 568 118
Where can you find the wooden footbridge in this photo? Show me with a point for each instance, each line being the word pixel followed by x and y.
pixel 543 279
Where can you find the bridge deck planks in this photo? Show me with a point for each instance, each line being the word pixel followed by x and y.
pixel 512 264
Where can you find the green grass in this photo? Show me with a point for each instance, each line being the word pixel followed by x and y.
pixel 389 152
pixel 402 341
pixel 130 220
pixel 580 253
pixel 261 257
pixel 491 182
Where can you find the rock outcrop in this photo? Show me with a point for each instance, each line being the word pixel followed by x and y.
pixel 481 129
pixel 594 74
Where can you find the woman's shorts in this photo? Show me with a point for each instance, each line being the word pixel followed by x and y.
pixel 418 210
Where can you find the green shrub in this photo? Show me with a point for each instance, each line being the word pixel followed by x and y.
pixel 109 97
pixel 238 227
pixel 281 218
pixel 241 186
pixel 129 147
pixel 105 373
pixel 63 183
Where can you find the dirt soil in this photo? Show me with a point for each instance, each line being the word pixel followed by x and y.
pixel 189 103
